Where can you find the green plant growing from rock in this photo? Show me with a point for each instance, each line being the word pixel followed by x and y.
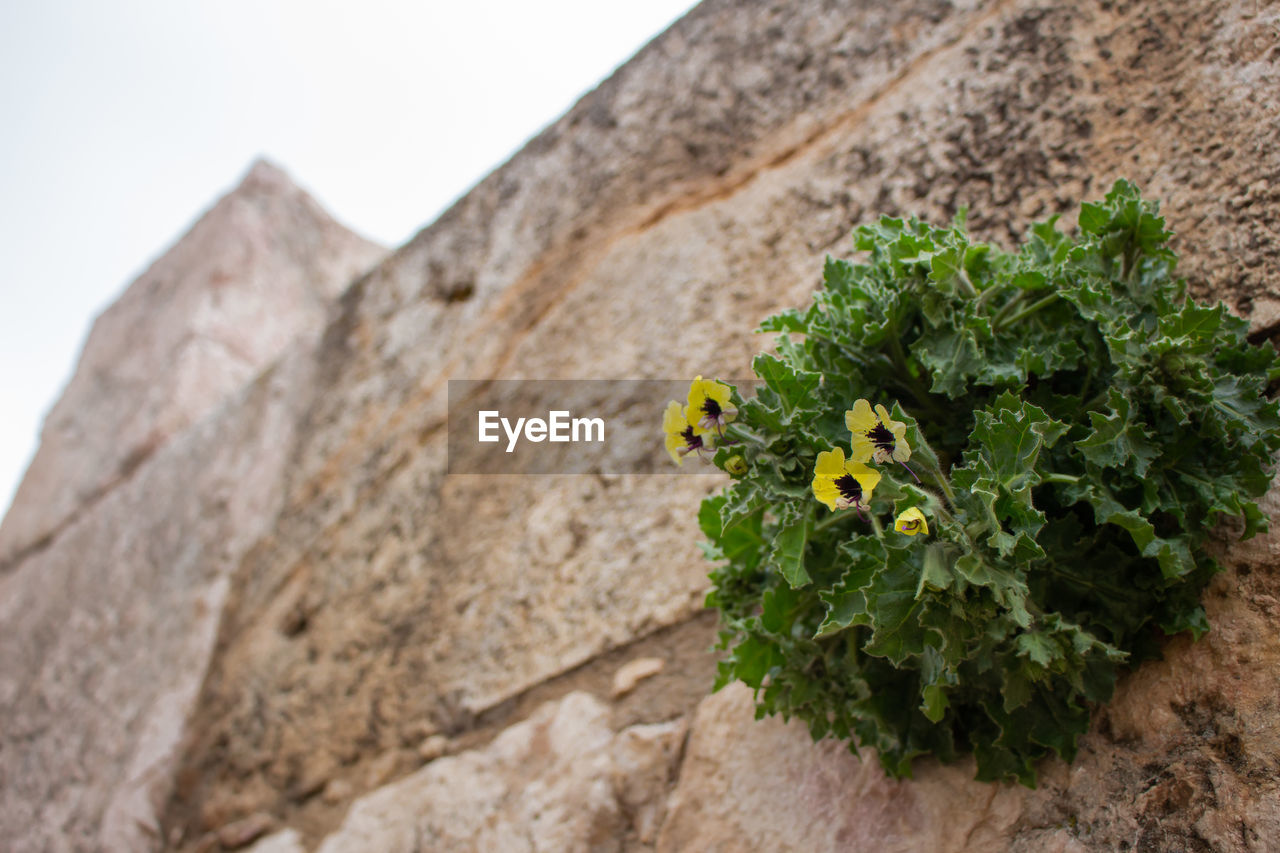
pixel 974 487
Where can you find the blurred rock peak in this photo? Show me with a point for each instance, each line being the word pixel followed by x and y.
pixel 256 271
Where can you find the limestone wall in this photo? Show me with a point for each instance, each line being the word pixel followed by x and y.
pixel 406 660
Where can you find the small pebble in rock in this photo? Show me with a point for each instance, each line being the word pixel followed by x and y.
pixel 633 672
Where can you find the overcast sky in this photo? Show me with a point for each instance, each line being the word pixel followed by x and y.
pixel 123 121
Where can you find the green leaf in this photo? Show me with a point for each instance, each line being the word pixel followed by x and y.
pixel 795 388
pixel 944 266
pixel 752 660
pixel 1094 218
pixel 895 611
pixel 787 553
pixel 1117 441
pixel 1011 435
pixel 951 359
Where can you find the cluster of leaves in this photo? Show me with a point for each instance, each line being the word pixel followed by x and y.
pixel 1078 426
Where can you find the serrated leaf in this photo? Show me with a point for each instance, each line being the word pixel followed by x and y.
pixel 944 266
pixel 1011 435
pixel 787 552
pixel 752 660
pixel 896 632
pixel 951 359
pixel 795 388
pixel 1117 441
pixel 1037 648
pixel 1094 218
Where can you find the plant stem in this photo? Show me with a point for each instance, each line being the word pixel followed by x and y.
pixel 1097 400
pixel 1013 302
pixel 941 480
pixel 828 521
pixel 987 294
pixel 1026 312
pixel 739 431
pixel 912 384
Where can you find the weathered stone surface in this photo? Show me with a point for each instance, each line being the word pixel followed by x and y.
pixel 643 235
pixel 384 603
pixel 561 780
pixel 284 841
pixel 633 672
pixel 255 272
pixel 108 631
pixel 749 785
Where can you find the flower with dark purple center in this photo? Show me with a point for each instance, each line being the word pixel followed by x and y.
pixel 682 437
pixel 710 406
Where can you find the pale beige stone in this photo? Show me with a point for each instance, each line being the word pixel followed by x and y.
pixel 559 781
pixel 256 271
pixel 751 785
pixel 361 591
pixel 644 759
pixel 337 791
pixel 108 632
pixel 644 235
pixel 633 672
pixel 432 747
pixel 284 841
pixel 235 835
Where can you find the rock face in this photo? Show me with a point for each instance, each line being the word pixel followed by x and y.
pixel 560 780
pixel 383 628
pixel 109 624
pixel 255 272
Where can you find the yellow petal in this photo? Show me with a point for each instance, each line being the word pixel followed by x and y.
pixel 830 464
pixel 860 419
pixel 719 392
pixel 674 443
pixel 824 489
pixel 673 419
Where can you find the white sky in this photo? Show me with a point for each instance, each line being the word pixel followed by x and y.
pixel 120 122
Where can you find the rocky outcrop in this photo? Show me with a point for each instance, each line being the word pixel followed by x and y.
pixel 137 510
pixel 560 780
pixel 108 630
pixel 391 636
pixel 256 271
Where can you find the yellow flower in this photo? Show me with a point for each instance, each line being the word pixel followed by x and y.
pixel 875 436
pixel 683 437
pixel 840 484
pixel 709 406
pixel 911 521
pixel 735 465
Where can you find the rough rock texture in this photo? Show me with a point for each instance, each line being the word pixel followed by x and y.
pixel 255 272
pixel 108 631
pixel 748 785
pixel 388 615
pixel 560 780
